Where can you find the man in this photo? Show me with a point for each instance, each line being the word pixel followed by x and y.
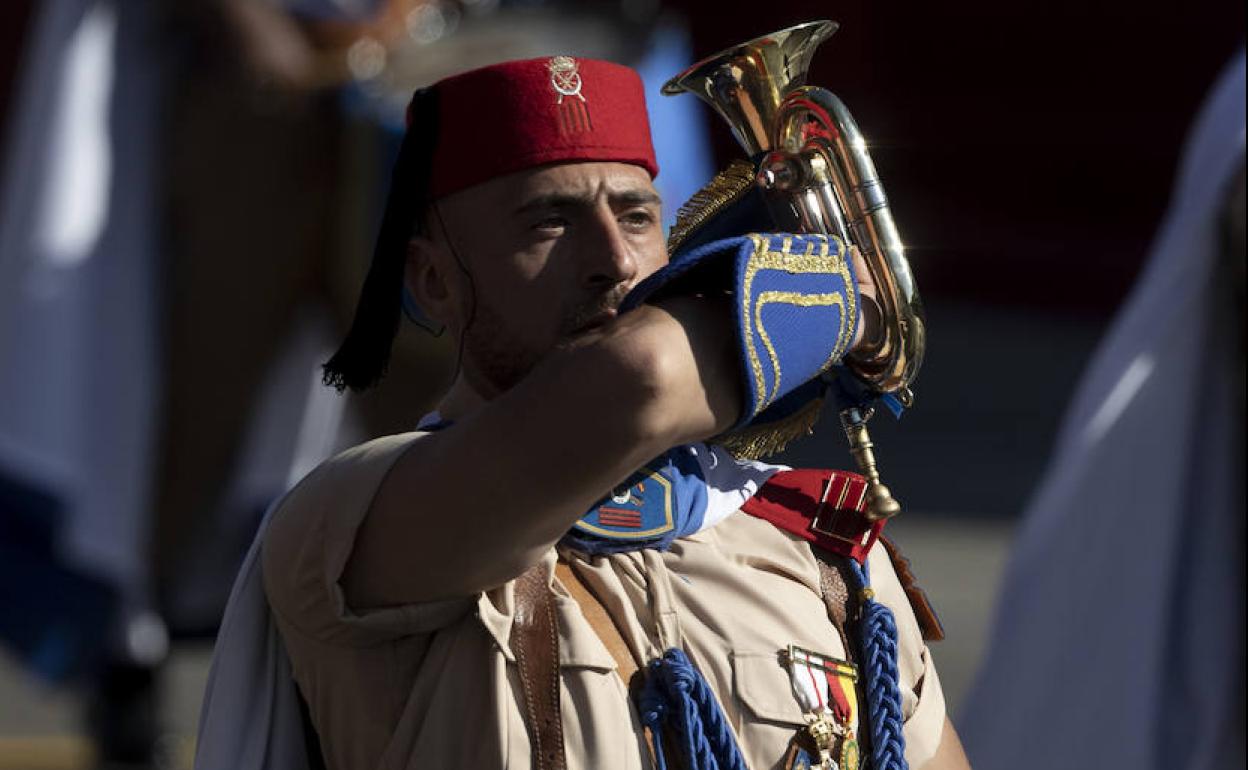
pixel 446 600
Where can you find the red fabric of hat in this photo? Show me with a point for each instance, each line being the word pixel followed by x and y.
pixel 517 115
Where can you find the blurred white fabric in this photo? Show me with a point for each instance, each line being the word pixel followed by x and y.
pixel 77 267
pixel 1119 637
pixel 80 297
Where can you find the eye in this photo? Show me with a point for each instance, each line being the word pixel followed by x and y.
pixel 551 224
pixel 638 219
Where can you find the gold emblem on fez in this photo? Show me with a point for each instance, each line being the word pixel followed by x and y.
pixel 564 77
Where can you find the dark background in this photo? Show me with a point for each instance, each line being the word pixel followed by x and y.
pixel 1027 147
pixel 1011 135
pixel 1028 150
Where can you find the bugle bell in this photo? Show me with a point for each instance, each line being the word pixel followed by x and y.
pixel 815 171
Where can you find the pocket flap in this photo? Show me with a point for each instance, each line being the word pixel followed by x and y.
pixel 761 681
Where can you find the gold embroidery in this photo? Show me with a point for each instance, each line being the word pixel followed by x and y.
pixel 756 441
pixel 747 285
pixel 800 300
pixel 725 188
pixel 765 258
pixel 565 77
pixel 840 500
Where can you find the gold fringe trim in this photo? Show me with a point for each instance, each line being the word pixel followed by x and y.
pixel 754 442
pixel 724 189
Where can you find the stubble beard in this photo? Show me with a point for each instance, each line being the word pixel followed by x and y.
pixel 496 359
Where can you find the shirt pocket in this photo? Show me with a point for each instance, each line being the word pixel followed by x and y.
pixel 760 682
pixel 768 716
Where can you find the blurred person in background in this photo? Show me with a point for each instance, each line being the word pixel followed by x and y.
pixel 163 223
pixel 1119 637
pixel 182 182
pixel 79 281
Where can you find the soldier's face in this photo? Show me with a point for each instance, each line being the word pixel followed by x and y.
pixel 549 254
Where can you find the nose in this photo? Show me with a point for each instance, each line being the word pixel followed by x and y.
pixel 610 257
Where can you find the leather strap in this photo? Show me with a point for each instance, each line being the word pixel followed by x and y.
pixel 841 607
pixel 836 597
pixel 599 619
pixel 929 623
pixel 535 643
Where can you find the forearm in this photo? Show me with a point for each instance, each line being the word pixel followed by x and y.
pixel 476 504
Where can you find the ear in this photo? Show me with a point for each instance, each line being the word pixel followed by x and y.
pixel 427 281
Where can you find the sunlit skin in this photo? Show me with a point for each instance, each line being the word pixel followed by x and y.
pixel 527 271
pixel 566 245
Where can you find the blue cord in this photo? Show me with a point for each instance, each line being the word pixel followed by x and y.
pixel 878 647
pixel 676 702
pixel 676 698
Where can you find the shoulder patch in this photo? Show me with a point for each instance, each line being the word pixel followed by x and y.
pixel 828 509
pixel 823 507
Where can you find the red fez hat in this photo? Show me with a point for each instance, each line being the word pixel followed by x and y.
pixel 517 115
pixel 468 129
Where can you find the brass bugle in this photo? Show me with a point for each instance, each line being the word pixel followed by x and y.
pixel 817 176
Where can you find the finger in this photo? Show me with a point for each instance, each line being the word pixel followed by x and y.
pixel 866 282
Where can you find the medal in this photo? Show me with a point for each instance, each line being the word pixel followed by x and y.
pixel 824 688
pixel 849 753
pixel 798 758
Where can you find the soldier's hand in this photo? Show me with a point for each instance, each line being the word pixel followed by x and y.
pixel 871 326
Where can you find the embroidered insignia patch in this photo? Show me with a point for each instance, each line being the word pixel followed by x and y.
pixel 798 758
pixel 664 500
pixel 640 508
pixel 565 80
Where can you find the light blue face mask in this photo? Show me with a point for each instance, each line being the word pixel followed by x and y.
pixel 418 316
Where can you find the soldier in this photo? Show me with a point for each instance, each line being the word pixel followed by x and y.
pixel 555 570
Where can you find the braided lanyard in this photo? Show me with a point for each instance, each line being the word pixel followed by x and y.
pixel 877 639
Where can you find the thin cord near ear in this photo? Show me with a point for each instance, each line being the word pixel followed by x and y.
pixel 472 287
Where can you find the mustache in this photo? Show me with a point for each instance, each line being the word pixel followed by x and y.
pixel 587 312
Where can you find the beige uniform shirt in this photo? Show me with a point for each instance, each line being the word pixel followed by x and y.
pixel 435 685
